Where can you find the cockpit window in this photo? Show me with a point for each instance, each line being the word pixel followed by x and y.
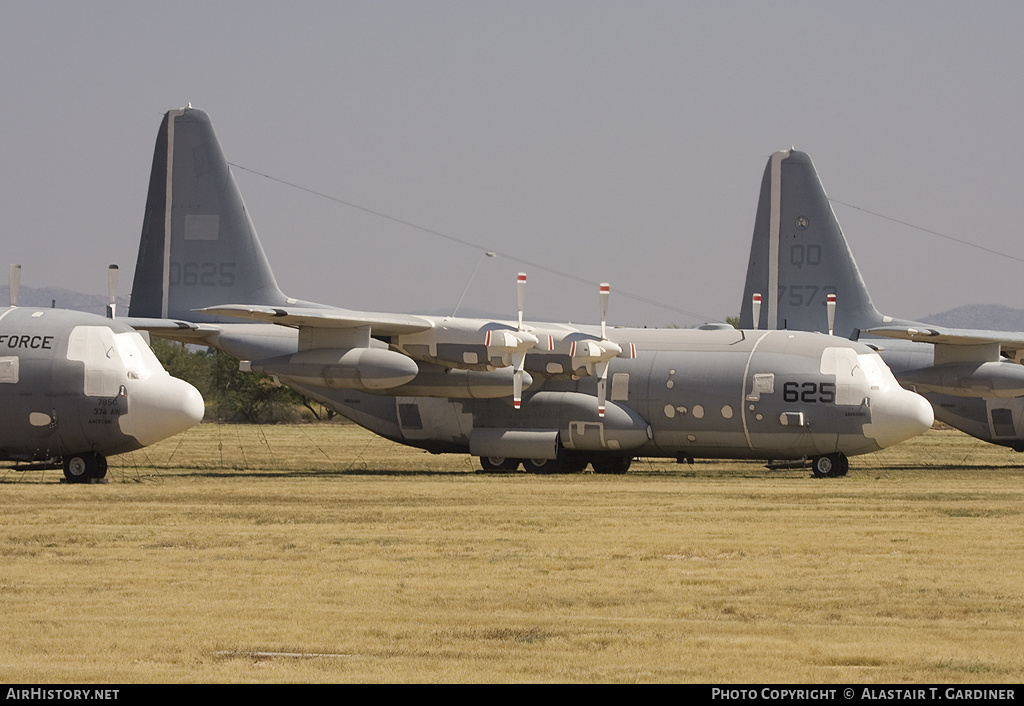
pixel 857 374
pixel 876 371
pixel 138 359
pixel 110 358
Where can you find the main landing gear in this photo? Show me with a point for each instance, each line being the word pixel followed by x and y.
pixel 85 467
pixel 566 464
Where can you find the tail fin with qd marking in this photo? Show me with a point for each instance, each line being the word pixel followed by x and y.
pixel 799 257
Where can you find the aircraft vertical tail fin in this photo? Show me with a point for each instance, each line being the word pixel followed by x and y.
pixel 199 247
pixel 799 257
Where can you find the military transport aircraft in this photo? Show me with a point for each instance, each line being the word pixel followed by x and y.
pixel 551 397
pixel 802 277
pixel 76 388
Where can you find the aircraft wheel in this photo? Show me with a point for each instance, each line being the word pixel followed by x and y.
pixel 830 466
pixel 498 464
pixel 542 465
pixel 101 467
pixel 556 465
pixel 574 465
pixel 611 464
pixel 81 468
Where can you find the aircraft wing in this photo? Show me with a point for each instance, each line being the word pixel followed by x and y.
pixel 382 324
pixel 1011 343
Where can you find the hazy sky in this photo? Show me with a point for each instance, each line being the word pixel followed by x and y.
pixel 612 141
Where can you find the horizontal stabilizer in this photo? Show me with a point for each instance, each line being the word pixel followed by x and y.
pixel 175 329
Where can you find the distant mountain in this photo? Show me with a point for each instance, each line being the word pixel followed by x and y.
pixel 63 299
pixel 993 317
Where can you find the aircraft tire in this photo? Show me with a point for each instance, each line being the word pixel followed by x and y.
pixel 542 465
pixel 612 464
pixel 101 466
pixel 498 464
pixel 82 468
pixel 830 466
pixel 556 465
pixel 574 465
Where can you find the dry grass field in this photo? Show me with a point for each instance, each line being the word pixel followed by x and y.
pixel 320 553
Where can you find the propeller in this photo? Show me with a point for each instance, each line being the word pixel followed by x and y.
pixel 755 302
pixel 596 355
pixel 512 345
pixel 15 283
pixel 111 290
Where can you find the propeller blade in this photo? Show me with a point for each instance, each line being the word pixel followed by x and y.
pixel 602 387
pixel 15 283
pixel 605 292
pixel 831 306
pixel 519 357
pixel 756 303
pixel 112 272
pixel 521 294
pixel 518 363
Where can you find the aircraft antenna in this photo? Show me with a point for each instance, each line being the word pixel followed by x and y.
pixel 15 283
pixel 486 254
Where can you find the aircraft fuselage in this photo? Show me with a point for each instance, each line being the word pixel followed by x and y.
pixel 719 393
pixel 75 383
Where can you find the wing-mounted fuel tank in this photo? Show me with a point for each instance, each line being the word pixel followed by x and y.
pixel 367 369
pixel 386 372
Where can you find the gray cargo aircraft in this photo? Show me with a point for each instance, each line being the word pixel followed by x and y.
pixel 802 277
pixel 551 397
pixel 76 388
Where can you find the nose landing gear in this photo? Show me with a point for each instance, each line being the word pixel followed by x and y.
pixel 84 468
pixel 830 466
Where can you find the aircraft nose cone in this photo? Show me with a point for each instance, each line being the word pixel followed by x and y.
pixel 160 407
pixel 900 415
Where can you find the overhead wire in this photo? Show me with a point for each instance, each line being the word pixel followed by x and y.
pixel 576 278
pixel 927 230
pixel 475 246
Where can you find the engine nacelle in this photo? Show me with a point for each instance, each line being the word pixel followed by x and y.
pixel 367 369
pixel 991 379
